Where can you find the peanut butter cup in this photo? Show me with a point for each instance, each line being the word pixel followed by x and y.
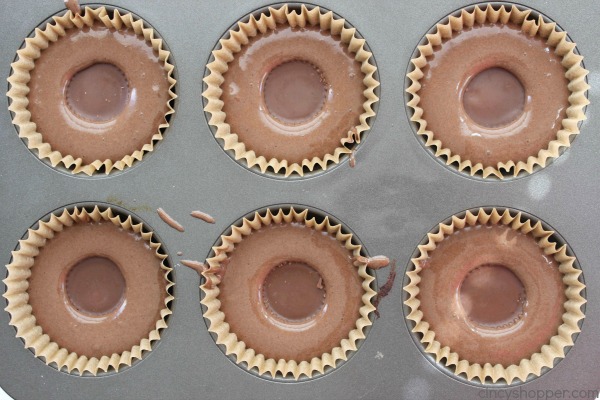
pixel 95 286
pixel 293 292
pixel 290 90
pixel 284 294
pixel 92 91
pixel 97 93
pixel 94 296
pixel 497 92
pixel 494 296
pixel 294 92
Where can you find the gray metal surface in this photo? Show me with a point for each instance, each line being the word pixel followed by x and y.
pixel 393 197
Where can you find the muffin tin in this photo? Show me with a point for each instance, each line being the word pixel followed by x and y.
pixel 393 196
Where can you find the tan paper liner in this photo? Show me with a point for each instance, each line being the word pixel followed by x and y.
pixel 550 351
pixel 574 72
pixel 20 77
pixel 246 30
pixel 19 270
pixel 217 318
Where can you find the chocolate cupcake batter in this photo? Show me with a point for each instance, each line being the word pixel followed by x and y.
pixel 491 294
pixel 493 93
pixel 293 93
pixel 96 289
pixel 290 292
pixel 98 93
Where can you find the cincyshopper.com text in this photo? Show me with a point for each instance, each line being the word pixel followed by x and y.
pixel 539 394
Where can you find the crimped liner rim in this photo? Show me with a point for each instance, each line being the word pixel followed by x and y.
pixel 20 311
pixel 238 348
pixel 239 37
pixel 19 80
pixel 550 351
pixel 574 72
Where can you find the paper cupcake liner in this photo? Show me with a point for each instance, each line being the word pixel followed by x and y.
pixel 574 72
pixel 19 270
pixel 19 80
pixel 549 352
pixel 229 340
pixel 246 30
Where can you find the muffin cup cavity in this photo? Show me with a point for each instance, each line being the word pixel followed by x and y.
pixel 509 288
pixel 287 315
pixel 509 112
pixel 311 82
pixel 86 112
pixel 79 298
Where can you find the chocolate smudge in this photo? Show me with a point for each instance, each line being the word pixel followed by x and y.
pixel 73 6
pixel 169 221
pixel 386 288
pixel 208 284
pixel 203 216
pixel 352 161
pixel 375 262
pixel 217 272
pixel 354 136
pixel 195 265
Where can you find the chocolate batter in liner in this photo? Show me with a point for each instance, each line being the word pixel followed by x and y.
pixel 335 286
pixel 530 332
pixel 130 311
pixel 505 156
pixel 338 138
pixel 122 130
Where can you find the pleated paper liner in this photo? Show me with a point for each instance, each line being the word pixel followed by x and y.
pixel 19 270
pixel 20 78
pixel 247 356
pixel 574 72
pixel 286 14
pixel 549 353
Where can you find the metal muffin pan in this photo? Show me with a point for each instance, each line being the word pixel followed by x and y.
pixel 396 193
